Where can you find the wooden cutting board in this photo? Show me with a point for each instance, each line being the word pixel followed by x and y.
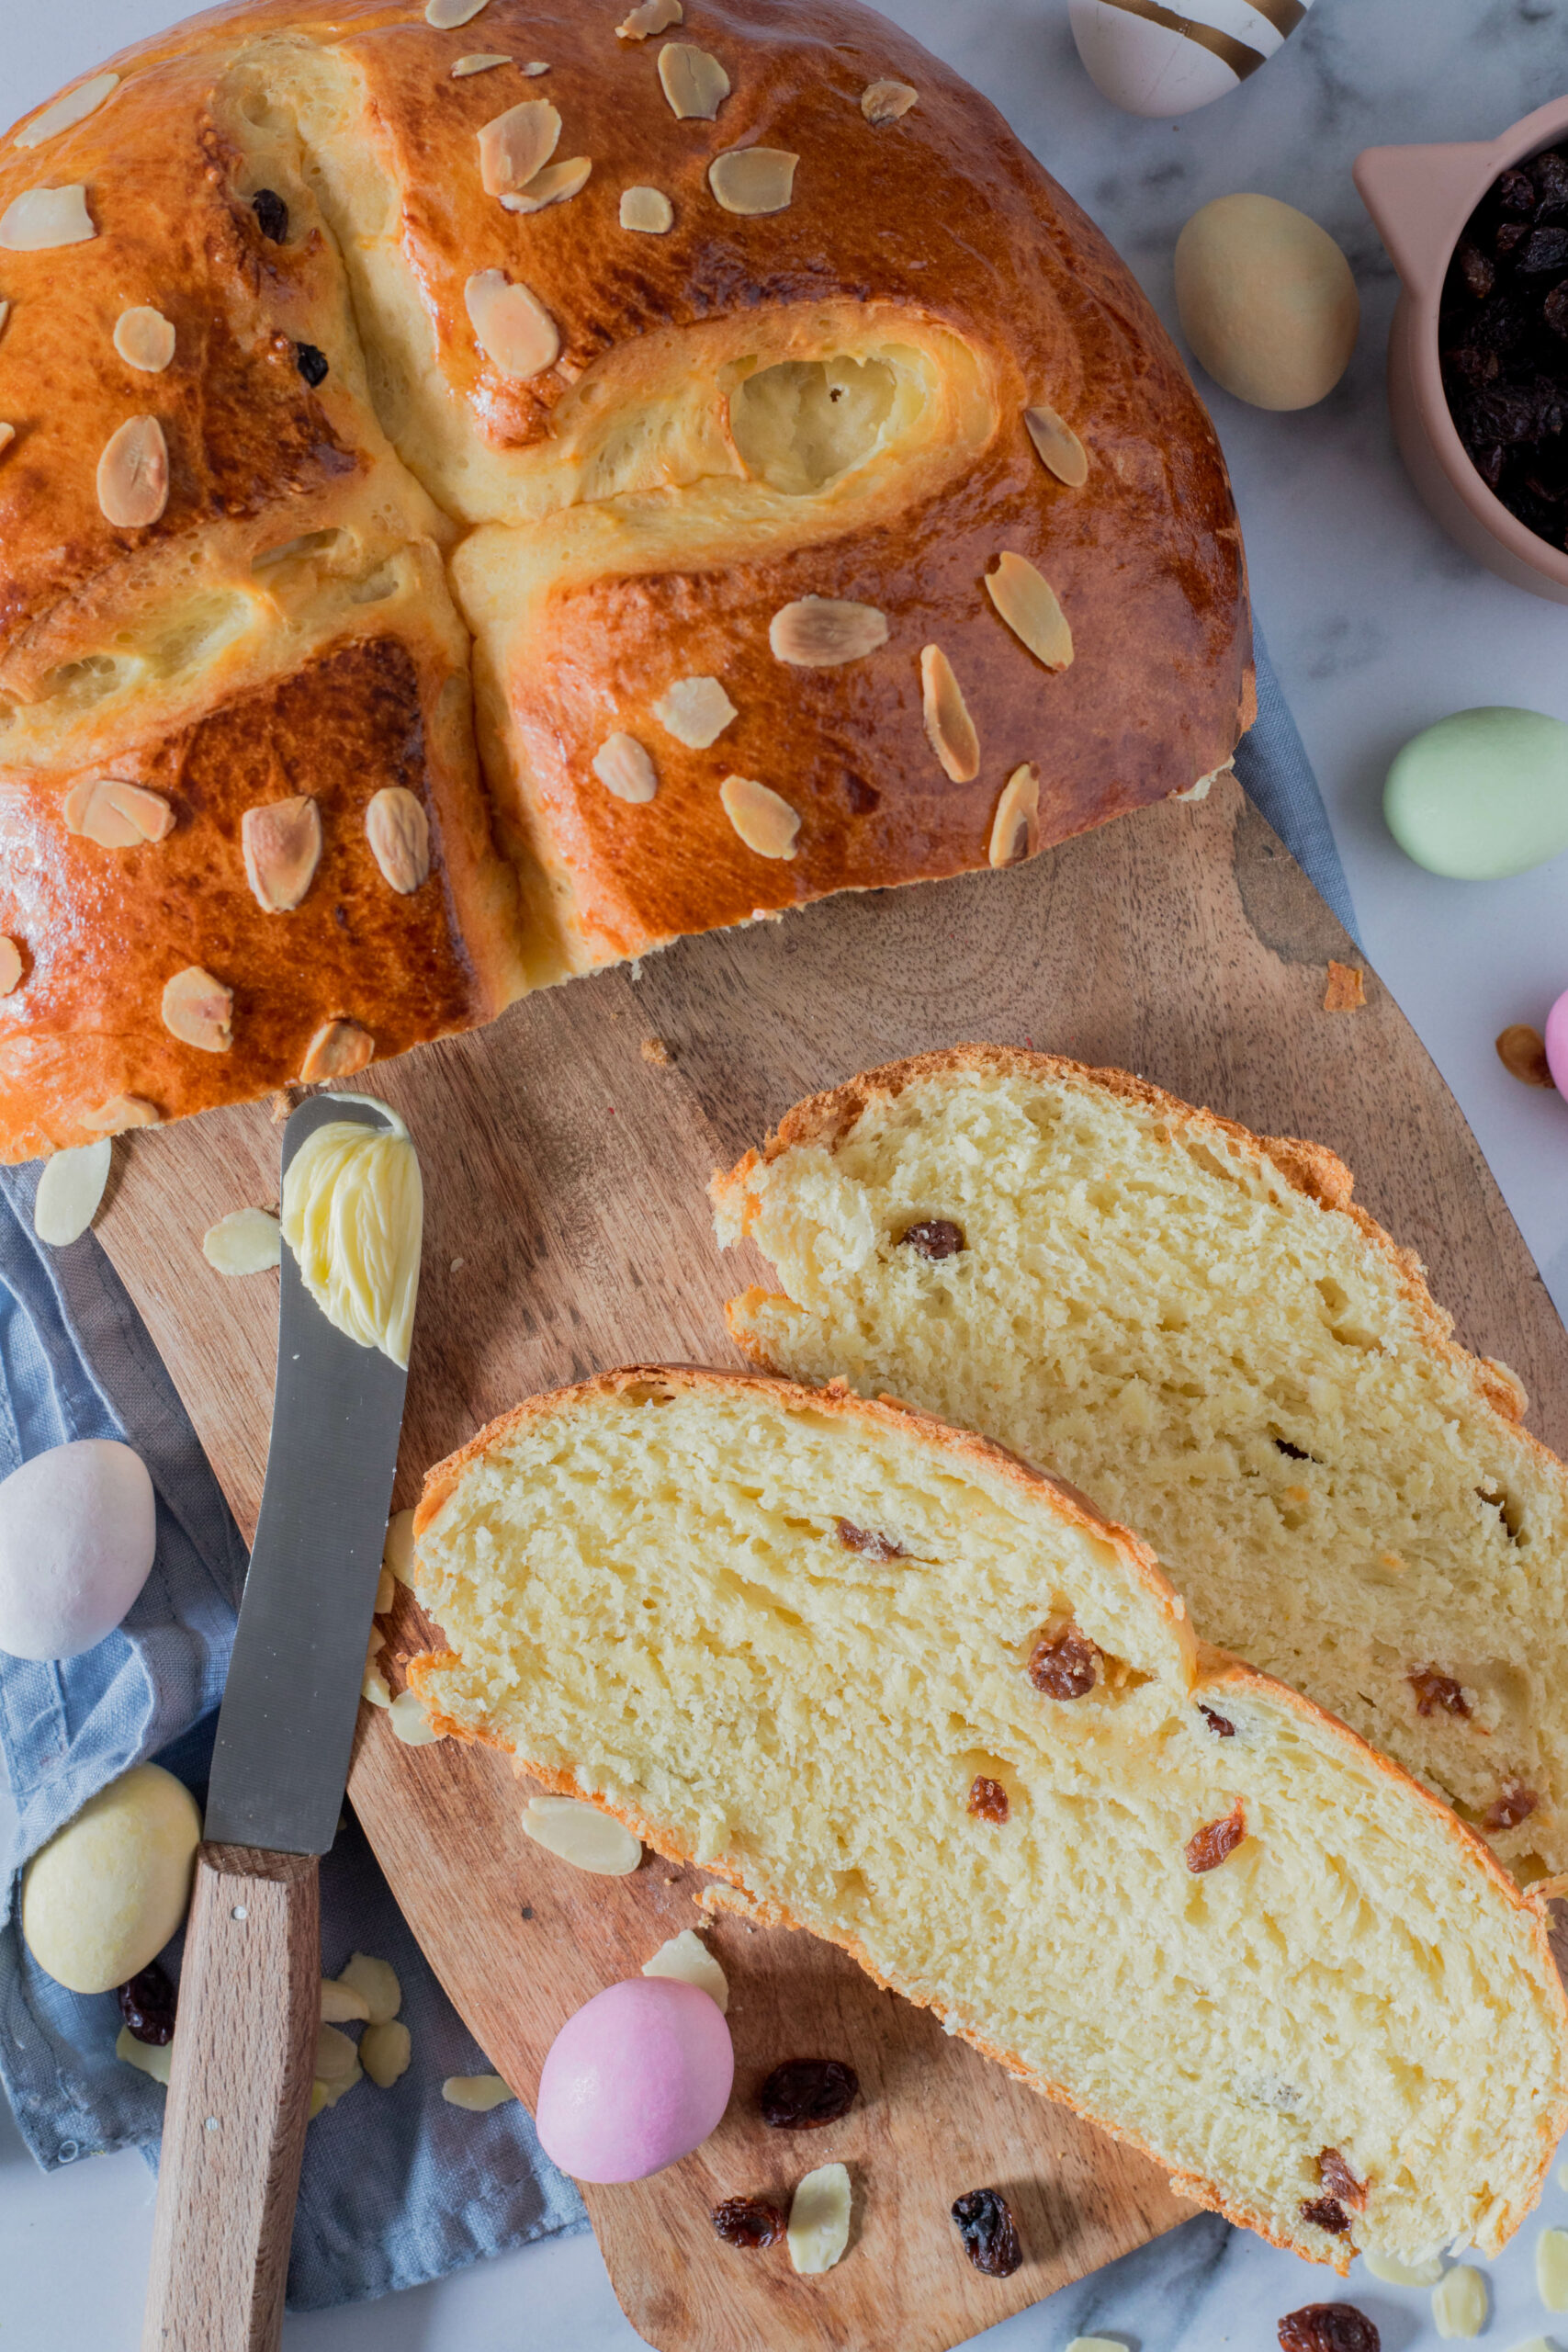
pixel 568 1229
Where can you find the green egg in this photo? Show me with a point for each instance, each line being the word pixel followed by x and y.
pixel 1482 794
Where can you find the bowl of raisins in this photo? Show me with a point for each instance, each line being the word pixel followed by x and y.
pixel 1478 352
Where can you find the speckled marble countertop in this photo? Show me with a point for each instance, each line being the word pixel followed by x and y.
pixel 1377 626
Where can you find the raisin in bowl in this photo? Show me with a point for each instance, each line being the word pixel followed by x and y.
pixel 1478 352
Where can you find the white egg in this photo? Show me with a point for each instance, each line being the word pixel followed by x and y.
pixel 1142 62
pixel 77 1534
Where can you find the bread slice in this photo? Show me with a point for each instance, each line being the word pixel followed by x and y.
pixel 819 1646
pixel 1197 1326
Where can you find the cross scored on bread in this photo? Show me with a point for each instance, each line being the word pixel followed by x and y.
pixel 478 499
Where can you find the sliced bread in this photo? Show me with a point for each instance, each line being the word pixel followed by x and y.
pixel 913 1695
pixel 1196 1325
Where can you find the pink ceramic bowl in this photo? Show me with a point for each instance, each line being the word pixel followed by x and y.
pixel 1420 198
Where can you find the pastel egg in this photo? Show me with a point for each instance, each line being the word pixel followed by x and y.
pixel 634 2081
pixel 107 1893
pixel 1557 1044
pixel 1482 794
pixel 1167 62
pixel 77 1534
pixel 1267 301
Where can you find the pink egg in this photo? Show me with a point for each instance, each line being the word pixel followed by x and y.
pixel 635 2081
pixel 1557 1044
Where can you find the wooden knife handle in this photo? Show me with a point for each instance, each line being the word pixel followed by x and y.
pixel 239 2100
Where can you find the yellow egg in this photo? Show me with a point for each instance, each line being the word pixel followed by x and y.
pixel 1267 301
pixel 107 1893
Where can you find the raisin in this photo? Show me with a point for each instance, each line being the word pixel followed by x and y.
pixel 868 1543
pixel 804 2093
pixel 1477 270
pixel 1510 237
pixel 1328 2327
pixel 1515 193
pixel 1434 1690
pixel 748 2223
pixel 990 2232
pixel 989 1799
pixel 1339 2180
pixel 1543 250
pixel 1506 1812
pixel 1550 174
pixel 312 363
pixel 272 214
pixel 147 2004
pixel 1216 1841
pixel 935 1237
pixel 1554 310
pixel 1221 1726
pixel 1325 2213
pixel 1063 1665
pixel 1296 1453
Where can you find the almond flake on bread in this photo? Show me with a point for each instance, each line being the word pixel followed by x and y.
pixel 1237 1952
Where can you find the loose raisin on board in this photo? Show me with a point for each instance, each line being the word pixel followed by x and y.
pixel 1339 2180
pixel 1506 1812
pixel 867 1543
pixel 1216 1841
pixel 1221 1726
pixel 990 2232
pixel 989 1799
pixel 272 214
pixel 1328 2327
pixel 1434 1690
pixel 312 362
pixel 147 2004
pixel 804 2093
pixel 1063 1665
pixel 935 1237
pixel 1325 2213
pixel 748 2223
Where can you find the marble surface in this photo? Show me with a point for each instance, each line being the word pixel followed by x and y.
pixel 1378 626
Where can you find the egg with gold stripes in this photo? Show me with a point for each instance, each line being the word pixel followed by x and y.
pixel 1156 61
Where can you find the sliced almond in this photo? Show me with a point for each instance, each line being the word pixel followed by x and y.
pixel 336 2056
pixel 477 2093
pixel 69 1193
pixel 820 2219
pixel 695 711
pixel 246 1241
pixel 343 2003
pixel 1015 829
pixel 144 338
pixel 687 1958
pixel 399 833
pixel 338 1049
pixel 536 65
pixel 753 180
pixel 154 2058
pixel 554 184
pixel 42 218
pixel 1057 445
pixel 386 1591
pixel 512 325
pixel 385 2051
pixel 198 1011
pixel 653 17
pixel 397 1551
pixel 120 1114
pixel 820 632
pixel 1393 2273
pixel 948 724
pixel 647 210
pixel 1026 602
pixel 765 823
pixel 281 843
pixel 517 144
pixel 695 84
pixel 8 434
pixel 888 102
pixel 325 2095
pixel 581 1835
pixel 624 768
pixel 133 475
pixel 479 62
pixel 411 1723
pixel 378 1980
pixel 447 14
pixel 66 113
pixel 116 815
pixel 374 1688
pixel 10 965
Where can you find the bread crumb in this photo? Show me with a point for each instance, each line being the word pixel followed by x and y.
pixel 1347 991
pixel 656 1051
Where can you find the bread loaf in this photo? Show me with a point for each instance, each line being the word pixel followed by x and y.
pixel 478 499
pixel 1200 1327
pixel 915 1696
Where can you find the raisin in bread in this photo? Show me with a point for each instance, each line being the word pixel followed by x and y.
pixel 1197 1326
pixel 918 1698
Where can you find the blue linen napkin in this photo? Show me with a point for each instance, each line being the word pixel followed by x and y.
pixel 431 2187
